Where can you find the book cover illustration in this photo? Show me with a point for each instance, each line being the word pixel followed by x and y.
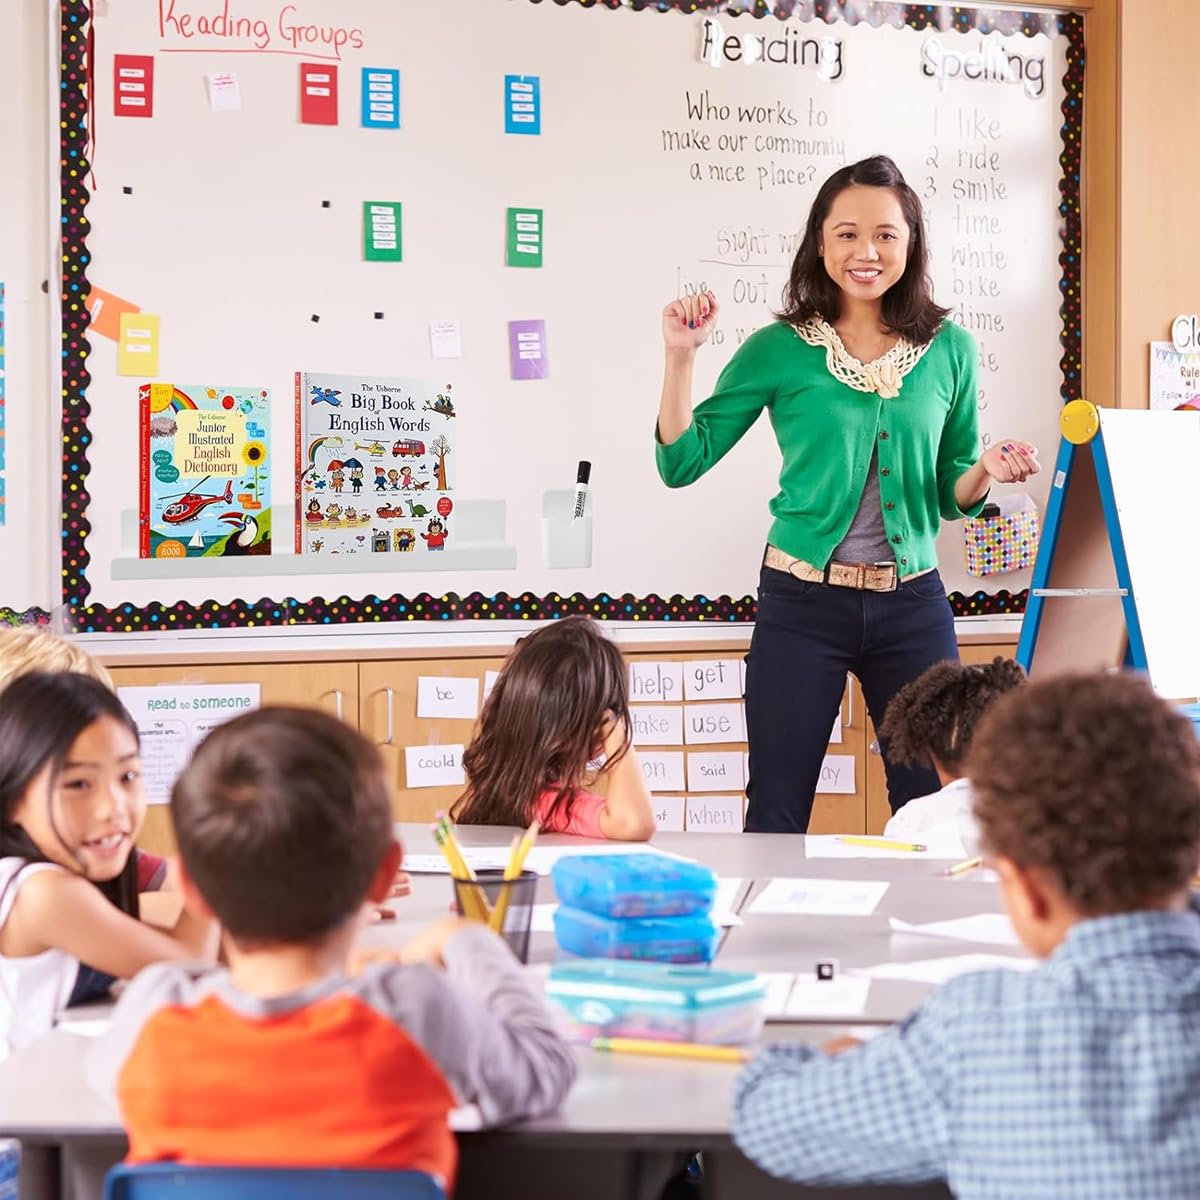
pixel 205 474
pixel 374 465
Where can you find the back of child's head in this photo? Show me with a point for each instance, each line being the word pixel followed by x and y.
pixel 935 715
pixel 1094 780
pixel 26 648
pixel 283 818
pixel 543 722
pixel 41 716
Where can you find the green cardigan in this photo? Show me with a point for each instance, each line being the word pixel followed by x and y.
pixel 927 437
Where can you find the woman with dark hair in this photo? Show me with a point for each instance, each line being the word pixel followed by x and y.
pixel 872 396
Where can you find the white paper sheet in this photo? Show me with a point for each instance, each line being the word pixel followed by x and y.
pixel 446 696
pixel 938 970
pixel 845 996
pixel 830 845
pixel 994 929
pixel 433 766
pixel 820 897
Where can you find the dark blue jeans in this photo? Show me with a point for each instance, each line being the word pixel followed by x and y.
pixel 807 636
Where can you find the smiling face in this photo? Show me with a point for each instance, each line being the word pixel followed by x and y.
pixel 865 241
pixel 87 818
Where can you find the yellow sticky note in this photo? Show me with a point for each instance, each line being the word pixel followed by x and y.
pixel 137 346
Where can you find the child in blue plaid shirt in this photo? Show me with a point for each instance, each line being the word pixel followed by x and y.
pixel 1070 1082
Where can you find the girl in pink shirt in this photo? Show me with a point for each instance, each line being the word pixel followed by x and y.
pixel 556 724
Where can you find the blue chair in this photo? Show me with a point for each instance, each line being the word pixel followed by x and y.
pixel 168 1181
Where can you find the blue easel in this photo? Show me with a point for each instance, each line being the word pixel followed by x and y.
pixel 1082 447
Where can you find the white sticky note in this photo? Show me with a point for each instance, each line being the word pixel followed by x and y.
pixel 714 814
pixel 707 723
pixel 668 812
pixel 655 681
pixel 820 897
pixel 445 339
pixel 837 775
pixel 712 679
pixel 656 725
pixel 779 987
pixel 715 771
pixel 489 682
pixel 433 766
pixel 224 92
pixel 842 996
pixel 446 697
pixel 662 769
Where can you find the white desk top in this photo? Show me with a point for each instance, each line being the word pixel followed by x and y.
pixel 43 1094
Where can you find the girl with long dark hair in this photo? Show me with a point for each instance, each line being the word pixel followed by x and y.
pixel 872 394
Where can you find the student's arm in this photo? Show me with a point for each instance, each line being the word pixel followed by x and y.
pixel 482 1021
pixel 627 815
pixel 875 1114
pixel 61 911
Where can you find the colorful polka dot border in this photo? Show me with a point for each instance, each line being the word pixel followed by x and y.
pixel 74 167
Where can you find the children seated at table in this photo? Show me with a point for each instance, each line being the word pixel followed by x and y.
pixel 1075 1080
pixel 932 721
pixel 557 721
pixel 71 806
pixel 284 826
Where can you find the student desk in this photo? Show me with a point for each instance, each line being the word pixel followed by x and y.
pixel 628 1120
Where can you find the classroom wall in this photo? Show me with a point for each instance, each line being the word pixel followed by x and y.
pixel 28 541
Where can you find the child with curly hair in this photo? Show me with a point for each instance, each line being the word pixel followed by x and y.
pixel 931 722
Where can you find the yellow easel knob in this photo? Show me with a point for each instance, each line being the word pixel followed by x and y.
pixel 1079 422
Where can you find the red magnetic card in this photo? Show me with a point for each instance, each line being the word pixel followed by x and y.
pixel 133 85
pixel 318 94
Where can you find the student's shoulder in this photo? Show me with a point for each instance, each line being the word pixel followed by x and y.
pixel 172 984
pixel 981 996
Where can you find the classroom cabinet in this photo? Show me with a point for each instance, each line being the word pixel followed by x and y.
pixel 380 696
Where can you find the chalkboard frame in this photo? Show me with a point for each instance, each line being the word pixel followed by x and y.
pixel 77 92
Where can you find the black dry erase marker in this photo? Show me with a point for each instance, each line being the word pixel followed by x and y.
pixel 581 489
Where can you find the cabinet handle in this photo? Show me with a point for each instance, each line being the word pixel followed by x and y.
pixel 337 702
pixel 390 738
pixel 849 721
pixel 874 747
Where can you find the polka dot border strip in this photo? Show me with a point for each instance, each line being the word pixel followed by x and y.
pixel 91 618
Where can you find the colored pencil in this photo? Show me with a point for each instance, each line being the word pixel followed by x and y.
pixel 618 1045
pixel 879 843
pixel 966 865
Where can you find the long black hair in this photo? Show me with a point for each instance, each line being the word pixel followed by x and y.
pixel 908 306
pixel 41 715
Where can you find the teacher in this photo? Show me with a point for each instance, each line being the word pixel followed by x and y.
pixel 872 396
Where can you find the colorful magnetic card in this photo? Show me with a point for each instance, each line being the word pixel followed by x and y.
pixel 522 104
pixel 380 98
pixel 133 85
pixel 524 243
pixel 527 350
pixel 318 94
pixel 381 231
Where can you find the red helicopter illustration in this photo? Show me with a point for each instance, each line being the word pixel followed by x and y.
pixel 189 505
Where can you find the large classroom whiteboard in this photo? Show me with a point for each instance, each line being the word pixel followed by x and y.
pixel 215 222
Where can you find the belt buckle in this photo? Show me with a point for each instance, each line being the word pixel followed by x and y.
pixel 895 575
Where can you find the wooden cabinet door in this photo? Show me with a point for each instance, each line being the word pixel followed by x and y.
pixel 332 686
pixel 388 717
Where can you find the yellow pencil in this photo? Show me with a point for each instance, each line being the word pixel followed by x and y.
pixel 530 836
pixel 881 843
pixel 618 1045
pixel 473 903
pixel 501 910
pixel 966 865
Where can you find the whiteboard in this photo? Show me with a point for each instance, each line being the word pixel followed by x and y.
pixel 217 222
pixel 1152 461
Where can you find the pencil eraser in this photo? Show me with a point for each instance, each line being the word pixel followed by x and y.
pixel 826 970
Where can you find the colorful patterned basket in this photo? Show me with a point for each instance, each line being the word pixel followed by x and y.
pixel 1003 541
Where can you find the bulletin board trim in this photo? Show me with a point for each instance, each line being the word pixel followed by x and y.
pixel 76 91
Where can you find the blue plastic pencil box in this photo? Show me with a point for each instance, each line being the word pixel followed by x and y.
pixel 634 885
pixel 688 939
pixel 663 1003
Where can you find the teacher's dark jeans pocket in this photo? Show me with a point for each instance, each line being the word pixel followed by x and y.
pixel 783 585
pixel 925 587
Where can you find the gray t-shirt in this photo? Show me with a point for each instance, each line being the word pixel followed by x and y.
pixel 866 540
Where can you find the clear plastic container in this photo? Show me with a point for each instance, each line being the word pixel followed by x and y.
pixel 663 1003
pixel 634 885
pixel 688 939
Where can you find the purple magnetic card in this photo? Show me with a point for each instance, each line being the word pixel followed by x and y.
pixel 527 350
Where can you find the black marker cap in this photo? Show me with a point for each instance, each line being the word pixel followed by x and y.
pixel 584 472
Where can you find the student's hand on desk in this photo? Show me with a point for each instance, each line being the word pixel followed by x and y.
pixel 1010 461
pixel 428 945
pixel 840 1045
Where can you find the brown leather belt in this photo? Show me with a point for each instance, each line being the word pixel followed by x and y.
pixel 869 577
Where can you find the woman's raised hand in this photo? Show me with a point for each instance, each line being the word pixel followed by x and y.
pixel 688 321
pixel 1010 461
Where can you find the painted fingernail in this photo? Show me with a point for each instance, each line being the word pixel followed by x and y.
pixel 691 324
